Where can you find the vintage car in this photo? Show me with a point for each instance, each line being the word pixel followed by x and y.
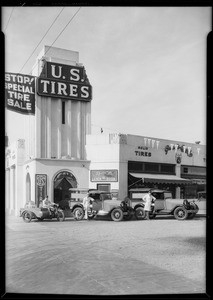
pixel 103 205
pixel 164 204
pixel 201 202
pixel 30 211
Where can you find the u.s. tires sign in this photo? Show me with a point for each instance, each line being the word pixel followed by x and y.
pixel 64 81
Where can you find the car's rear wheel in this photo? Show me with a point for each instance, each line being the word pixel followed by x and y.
pixel 27 216
pixel 117 214
pixel 180 213
pixel 140 213
pixel 78 213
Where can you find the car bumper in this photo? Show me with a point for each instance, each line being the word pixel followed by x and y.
pixel 194 211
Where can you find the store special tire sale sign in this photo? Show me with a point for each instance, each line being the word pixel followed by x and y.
pixel 20 93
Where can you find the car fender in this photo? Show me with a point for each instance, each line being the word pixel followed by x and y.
pixel 115 207
pixel 172 211
pixel 77 205
pixel 23 212
pixel 138 205
pixel 33 214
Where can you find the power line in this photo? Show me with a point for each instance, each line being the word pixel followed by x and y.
pixel 60 33
pixel 42 38
pixel 63 29
pixel 9 19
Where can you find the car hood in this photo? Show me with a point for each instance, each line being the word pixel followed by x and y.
pixel 110 204
pixel 178 201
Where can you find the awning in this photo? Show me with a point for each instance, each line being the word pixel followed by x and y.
pixel 160 178
pixel 198 181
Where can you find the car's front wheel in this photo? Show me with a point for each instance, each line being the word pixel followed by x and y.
pixel 140 213
pixel 180 213
pixel 117 214
pixel 78 213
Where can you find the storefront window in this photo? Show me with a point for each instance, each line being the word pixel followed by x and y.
pixel 152 167
pixel 103 187
pixel 190 192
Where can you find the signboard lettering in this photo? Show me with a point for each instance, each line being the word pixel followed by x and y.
pixel 142 153
pixel 20 93
pixel 65 72
pixel 59 89
pixel 104 175
pixel 64 81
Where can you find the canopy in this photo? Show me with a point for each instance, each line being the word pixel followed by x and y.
pixel 160 178
pixel 198 180
pixel 68 179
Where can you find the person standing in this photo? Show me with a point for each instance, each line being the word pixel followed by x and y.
pixel 86 203
pixel 148 198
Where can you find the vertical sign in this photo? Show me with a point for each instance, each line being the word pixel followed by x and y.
pixel 41 188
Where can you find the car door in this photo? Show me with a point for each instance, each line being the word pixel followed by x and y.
pixel 159 202
pixel 97 203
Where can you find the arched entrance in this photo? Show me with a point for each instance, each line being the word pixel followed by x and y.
pixel 28 188
pixel 63 181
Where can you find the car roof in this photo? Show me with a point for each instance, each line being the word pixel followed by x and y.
pixel 147 189
pixel 159 191
pixel 98 192
pixel 140 190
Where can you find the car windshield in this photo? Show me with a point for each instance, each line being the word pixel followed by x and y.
pixel 201 195
pixel 107 196
pixel 137 195
pixel 167 195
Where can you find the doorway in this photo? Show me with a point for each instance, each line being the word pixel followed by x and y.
pixel 63 181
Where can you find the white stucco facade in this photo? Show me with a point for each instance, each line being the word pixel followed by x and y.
pixel 51 146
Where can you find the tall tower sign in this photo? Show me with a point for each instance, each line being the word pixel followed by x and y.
pixel 62 107
pixel 64 81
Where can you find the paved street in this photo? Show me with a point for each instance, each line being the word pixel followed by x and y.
pixel 102 257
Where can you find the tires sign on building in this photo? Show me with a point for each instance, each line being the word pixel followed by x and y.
pixel 64 81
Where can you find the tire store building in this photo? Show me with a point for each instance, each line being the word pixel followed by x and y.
pixel 60 158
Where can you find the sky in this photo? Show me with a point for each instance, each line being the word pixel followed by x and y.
pixel 146 65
